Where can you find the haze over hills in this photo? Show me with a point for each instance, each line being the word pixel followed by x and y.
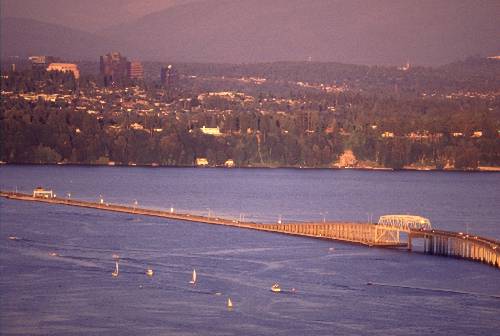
pixel 245 31
pixel 88 15
pixel 25 37
pixel 426 32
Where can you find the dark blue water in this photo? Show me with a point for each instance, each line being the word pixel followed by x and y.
pixel 73 292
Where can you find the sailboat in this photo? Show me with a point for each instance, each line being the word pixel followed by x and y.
pixel 229 303
pixel 193 279
pixel 117 271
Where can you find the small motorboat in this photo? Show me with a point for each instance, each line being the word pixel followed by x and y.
pixel 149 272
pixel 276 288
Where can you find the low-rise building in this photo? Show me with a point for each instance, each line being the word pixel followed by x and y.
pixel 201 162
pixel 215 131
pixel 137 126
pixel 65 67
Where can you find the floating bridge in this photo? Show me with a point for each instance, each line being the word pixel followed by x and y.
pixel 397 231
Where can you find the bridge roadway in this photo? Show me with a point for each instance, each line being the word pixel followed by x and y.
pixel 436 242
pixel 458 245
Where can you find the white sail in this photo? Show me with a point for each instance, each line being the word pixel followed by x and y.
pixel 193 279
pixel 229 303
pixel 117 270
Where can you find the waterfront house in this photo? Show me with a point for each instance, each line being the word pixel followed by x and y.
pixel 201 162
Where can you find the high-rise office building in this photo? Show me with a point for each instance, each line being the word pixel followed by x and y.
pixel 113 68
pixel 169 77
pixel 42 61
pixel 135 70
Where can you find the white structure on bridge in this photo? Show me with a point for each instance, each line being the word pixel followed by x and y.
pixel 405 222
pixel 42 193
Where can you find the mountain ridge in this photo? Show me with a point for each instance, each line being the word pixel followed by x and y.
pixel 24 37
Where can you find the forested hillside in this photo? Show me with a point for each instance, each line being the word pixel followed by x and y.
pixel 283 114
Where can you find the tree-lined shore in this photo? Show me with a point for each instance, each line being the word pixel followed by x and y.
pixel 268 115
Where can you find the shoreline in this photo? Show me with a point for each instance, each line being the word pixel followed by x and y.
pixel 480 169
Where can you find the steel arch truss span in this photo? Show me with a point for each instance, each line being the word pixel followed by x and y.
pixel 405 222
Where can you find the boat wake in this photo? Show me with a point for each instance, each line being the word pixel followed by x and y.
pixel 439 290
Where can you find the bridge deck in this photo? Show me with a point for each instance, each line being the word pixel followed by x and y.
pixel 351 232
pixel 436 242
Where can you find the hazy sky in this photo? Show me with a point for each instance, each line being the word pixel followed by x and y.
pixel 350 31
pixel 87 15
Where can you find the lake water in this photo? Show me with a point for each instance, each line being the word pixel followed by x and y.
pixel 73 291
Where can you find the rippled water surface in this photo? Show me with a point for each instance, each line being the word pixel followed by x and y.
pixel 56 278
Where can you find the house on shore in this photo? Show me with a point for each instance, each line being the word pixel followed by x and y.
pixel 201 162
